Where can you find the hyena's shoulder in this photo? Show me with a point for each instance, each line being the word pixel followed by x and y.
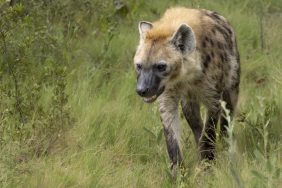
pixel 218 49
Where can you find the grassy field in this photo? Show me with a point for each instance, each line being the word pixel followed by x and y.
pixel 70 117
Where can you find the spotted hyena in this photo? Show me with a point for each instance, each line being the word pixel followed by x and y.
pixel 189 56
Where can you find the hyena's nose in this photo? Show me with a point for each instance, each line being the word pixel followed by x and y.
pixel 142 91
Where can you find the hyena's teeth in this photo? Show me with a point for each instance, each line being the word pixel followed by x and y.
pixel 148 99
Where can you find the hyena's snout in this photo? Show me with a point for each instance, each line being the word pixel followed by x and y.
pixel 148 86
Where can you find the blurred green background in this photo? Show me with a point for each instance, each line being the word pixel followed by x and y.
pixel 70 117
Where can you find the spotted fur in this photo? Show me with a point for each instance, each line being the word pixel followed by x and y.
pixel 203 67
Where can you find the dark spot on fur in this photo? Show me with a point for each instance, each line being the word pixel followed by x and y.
pixel 213 30
pixel 223 57
pixel 236 84
pixel 212 54
pixel 227 37
pixel 211 43
pixel 215 15
pixel 223 32
pixel 238 57
pixel 204 44
pixel 219 84
pixel 219 45
pixel 237 52
pixel 162 110
pixel 230 46
pixel 206 61
pixel 165 74
pixel 238 71
pixel 208 58
pixel 198 81
pixel 226 27
pixel 221 79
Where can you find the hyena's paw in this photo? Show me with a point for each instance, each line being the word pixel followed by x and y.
pixel 174 171
pixel 207 151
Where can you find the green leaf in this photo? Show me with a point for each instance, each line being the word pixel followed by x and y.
pixel 277 173
pixel 269 166
pixel 259 175
pixel 150 132
pixel 160 135
pixel 259 156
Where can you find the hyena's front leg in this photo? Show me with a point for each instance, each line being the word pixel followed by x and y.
pixel 207 141
pixel 170 120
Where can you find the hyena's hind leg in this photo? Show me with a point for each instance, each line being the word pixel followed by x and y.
pixel 208 139
pixel 191 111
pixel 230 96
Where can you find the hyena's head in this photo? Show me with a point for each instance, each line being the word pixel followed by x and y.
pixel 159 58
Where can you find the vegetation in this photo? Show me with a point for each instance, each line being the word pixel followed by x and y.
pixel 70 117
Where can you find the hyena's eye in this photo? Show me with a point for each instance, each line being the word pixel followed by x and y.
pixel 161 67
pixel 138 67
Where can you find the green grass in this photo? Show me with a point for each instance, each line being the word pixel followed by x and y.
pixel 113 139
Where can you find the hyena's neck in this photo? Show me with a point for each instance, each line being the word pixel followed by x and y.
pixel 191 68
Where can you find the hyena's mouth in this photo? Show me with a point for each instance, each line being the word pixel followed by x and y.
pixel 150 99
pixel 154 97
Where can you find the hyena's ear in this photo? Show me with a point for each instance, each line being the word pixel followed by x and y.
pixel 143 28
pixel 184 39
